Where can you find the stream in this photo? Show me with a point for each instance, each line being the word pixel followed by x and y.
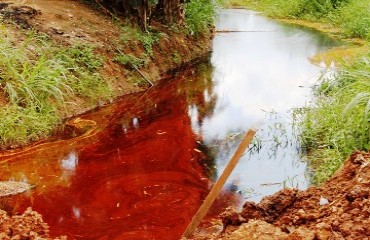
pixel 140 168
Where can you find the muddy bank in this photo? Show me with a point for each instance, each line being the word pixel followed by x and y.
pixel 128 61
pixel 27 226
pixel 339 209
pixel 71 22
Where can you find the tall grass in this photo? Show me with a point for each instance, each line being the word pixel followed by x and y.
pixel 339 122
pixel 38 79
pixel 28 74
pixel 19 125
pixel 353 16
pixel 200 15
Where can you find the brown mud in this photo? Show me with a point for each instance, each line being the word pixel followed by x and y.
pixel 339 209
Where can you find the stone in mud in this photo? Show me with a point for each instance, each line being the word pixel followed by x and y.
pixel 19 14
pixel 8 188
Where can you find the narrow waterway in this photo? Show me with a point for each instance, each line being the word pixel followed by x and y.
pixel 262 73
pixel 140 168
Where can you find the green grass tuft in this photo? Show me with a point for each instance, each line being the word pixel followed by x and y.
pixel 200 15
pixel 39 79
pixel 338 123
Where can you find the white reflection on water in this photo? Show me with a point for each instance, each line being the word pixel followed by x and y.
pixel 70 162
pixel 259 76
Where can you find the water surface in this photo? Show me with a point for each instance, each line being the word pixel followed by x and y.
pixel 262 72
pixel 141 167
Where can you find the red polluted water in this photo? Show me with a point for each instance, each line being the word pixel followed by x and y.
pixel 135 172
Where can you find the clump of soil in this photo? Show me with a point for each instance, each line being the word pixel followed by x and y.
pixel 340 209
pixel 18 14
pixel 8 188
pixel 27 226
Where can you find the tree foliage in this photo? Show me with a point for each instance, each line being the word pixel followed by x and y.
pixel 167 11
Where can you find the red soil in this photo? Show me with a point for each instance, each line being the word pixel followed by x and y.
pixel 340 209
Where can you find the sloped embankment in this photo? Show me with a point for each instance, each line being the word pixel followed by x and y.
pixel 60 58
pixel 339 209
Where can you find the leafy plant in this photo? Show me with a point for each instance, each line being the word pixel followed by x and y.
pixel 131 61
pixel 200 15
pixel 338 123
pixel 133 36
pixel 20 125
pixel 80 56
pixel 38 79
pixel 354 17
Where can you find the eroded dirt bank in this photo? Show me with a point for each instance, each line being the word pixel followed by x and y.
pixel 340 209
pixel 124 59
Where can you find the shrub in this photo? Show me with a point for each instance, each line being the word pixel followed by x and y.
pixel 338 123
pixel 199 15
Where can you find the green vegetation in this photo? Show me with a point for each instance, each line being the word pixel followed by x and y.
pixel 39 79
pixel 132 61
pixel 338 121
pixel 200 15
pixel 133 38
pixel 353 16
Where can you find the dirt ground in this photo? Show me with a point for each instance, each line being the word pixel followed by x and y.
pixel 339 209
pixel 27 226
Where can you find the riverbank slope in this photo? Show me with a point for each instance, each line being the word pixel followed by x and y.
pixel 339 209
pixel 62 58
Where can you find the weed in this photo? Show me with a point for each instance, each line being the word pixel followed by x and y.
pixel 148 40
pixel 200 15
pixel 338 123
pixel 133 35
pixel 132 61
pixel 20 125
pixel 35 73
pixel 80 56
pixel 353 16
pixel 176 57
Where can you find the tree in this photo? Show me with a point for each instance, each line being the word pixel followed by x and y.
pixel 173 11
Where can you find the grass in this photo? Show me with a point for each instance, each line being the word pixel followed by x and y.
pixel 200 15
pixel 19 125
pixel 338 123
pixel 135 39
pixel 133 35
pixel 131 61
pixel 39 79
pixel 353 16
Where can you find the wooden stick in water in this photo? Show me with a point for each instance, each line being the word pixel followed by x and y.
pixel 216 189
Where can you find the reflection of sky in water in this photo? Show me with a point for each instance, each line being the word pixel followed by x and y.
pixel 265 69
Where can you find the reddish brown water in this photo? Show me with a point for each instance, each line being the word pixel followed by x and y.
pixel 136 174
pixel 140 168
